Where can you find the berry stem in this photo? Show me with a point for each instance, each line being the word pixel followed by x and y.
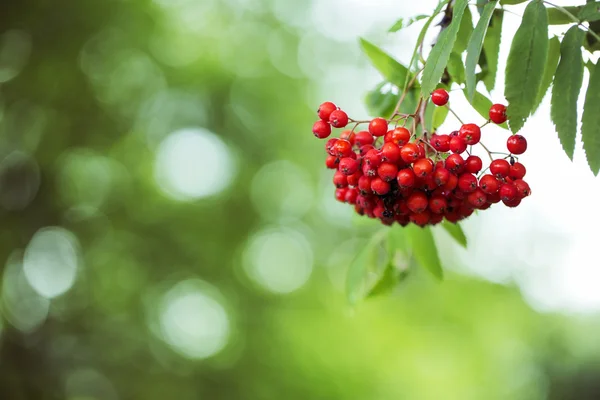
pixel 574 19
pixel 487 150
pixel 456 115
pixel 405 93
pixel 486 123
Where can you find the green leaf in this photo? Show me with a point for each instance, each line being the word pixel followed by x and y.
pixel 456 68
pixel 491 48
pixel 402 23
pixel 590 12
pixel 557 17
pixel 475 45
pixel 381 102
pixel 565 92
pixel 511 2
pixel 438 58
pixel 421 37
pixel 549 70
pixel 525 64
pixel 590 122
pixel 391 69
pixel 464 32
pixel 482 105
pixel 367 268
pixel 424 249
pixel 439 117
pixel 456 232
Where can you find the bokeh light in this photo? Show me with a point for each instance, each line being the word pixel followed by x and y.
pixel 15 47
pixel 193 321
pixel 193 163
pixel 88 383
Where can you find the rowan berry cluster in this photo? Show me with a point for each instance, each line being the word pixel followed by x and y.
pixel 391 173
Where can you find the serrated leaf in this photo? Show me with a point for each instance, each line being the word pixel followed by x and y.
pixel 491 48
pixel 590 12
pixel 482 105
pixel 475 45
pixel 590 122
pixel 456 68
pixel 438 58
pixel 526 60
pixel 456 232
pixel 367 268
pixel 403 23
pixel 557 17
pixel 565 91
pixel 391 69
pixel 464 32
pixel 381 102
pixel 424 249
pixel 439 117
pixel 421 37
pixel 549 70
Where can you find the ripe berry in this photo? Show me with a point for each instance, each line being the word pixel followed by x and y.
pixel 400 136
pixel 340 180
pixel 440 142
pixel 332 162
pixel 340 194
pixel 423 167
pixel 364 149
pixel 441 176
pixel 523 189
pixel 321 129
pixel 348 166
pixel 454 163
pixel 353 179
pixel 512 203
pixel 517 171
pixel 379 186
pixel 417 202
pixel 349 136
pixel 364 185
pixel 363 137
pixel 330 146
pixel 409 152
pixel 338 119
pixel 498 113
pixel 351 196
pixel 420 219
pixel 325 110
pixel 390 152
pixel 342 148
pixel 477 198
pixel 378 127
pixel 438 204
pixel 451 184
pixel 387 171
pixel 489 184
pixel 369 170
pixel 373 157
pixel 467 183
pixel 471 133
pixel 473 164
pixel 406 178
pixel 440 97
pixel 500 168
pixel 516 144
pixel 458 144
pixel 508 192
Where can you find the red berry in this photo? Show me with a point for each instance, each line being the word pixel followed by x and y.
pixel 349 136
pixel 477 198
pixel 379 186
pixel 330 146
pixel 467 183
pixel 489 184
pixel 338 119
pixel 451 184
pixel 409 152
pixel 441 143
pixel 364 185
pixel 369 170
pixel 508 192
pixel 373 157
pixel 378 127
pixel 516 144
pixel 512 203
pixel 387 171
pixel 400 136
pixel 473 164
pixel 342 148
pixel 454 163
pixel 420 219
pixel 363 138
pixel 351 196
pixel 390 152
pixel 498 113
pixel 332 162
pixel 364 149
pixel 441 176
pixel 340 180
pixel 500 168
pixel 406 178
pixel 517 171
pixel 458 144
pixel 523 189
pixel 348 166
pixel 440 97
pixel 423 167
pixel 340 194
pixel 438 204
pixel 471 133
pixel 325 110
pixel 321 129
pixel 353 179
pixel 417 202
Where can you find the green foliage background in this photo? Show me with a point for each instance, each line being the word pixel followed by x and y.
pixel 84 91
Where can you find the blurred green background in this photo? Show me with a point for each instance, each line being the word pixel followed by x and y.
pixel 168 229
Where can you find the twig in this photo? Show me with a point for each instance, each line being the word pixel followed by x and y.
pixel 574 19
